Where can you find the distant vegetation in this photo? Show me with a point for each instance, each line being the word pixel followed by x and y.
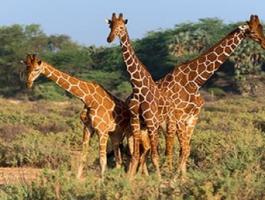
pixel 160 51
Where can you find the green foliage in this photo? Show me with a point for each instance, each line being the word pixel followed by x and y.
pixel 153 51
pixel 73 59
pixel 216 92
pixel 124 89
pixel 48 91
pixel 15 42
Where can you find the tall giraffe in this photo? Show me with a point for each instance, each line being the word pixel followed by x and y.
pixel 144 101
pixel 183 84
pixel 103 113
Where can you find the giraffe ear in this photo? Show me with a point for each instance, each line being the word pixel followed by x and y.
pixel 108 21
pixel 34 56
pixel 125 21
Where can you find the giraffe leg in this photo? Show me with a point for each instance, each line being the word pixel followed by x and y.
pixel 116 147
pixel 154 151
pixel 130 144
pixel 87 133
pixel 143 166
pixel 184 138
pixel 170 140
pixel 183 154
pixel 135 123
pixel 103 139
pixel 146 147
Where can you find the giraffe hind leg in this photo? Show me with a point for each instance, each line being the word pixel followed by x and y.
pixel 135 158
pixel 145 141
pixel 87 133
pixel 170 140
pixel 116 141
pixel 184 138
pixel 103 139
pixel 154 151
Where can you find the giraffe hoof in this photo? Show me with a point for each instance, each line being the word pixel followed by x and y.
pixel 118 166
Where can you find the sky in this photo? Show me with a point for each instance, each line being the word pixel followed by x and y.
pixel 84 20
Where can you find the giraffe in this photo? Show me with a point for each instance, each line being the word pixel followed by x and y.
pixel 183 84
pixel 144 103
pixel 103 113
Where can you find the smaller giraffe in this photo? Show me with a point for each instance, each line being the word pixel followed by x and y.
pixel 146 99
pixel 103 113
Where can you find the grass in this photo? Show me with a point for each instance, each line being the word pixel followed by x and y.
pixel 227 158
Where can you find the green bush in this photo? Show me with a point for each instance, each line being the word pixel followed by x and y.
pixel 49 91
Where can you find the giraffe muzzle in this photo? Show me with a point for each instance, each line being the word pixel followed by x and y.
pixel 263 44
pixel 110 38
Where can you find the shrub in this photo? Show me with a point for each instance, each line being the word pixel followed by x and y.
pixel 48 91
pixel 218 92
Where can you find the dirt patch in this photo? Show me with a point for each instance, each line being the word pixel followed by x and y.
pixel 52 127
pixel 18 175
pixel 9 131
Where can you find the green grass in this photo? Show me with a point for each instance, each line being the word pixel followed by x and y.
pixel 227 159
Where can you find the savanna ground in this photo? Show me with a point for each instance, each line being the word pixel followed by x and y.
pixel 44 137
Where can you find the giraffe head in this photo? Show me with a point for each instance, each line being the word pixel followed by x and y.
pixel 256 30
pixel 34 68
pixel 117 27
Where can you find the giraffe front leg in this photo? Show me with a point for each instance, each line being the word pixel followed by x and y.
pixel 87 133
pixel 103 139
pixel 130 148
pixel 135 123
pixel 170 140
pixel 154 151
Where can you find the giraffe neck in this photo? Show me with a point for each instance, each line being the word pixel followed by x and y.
pixel 202 68
pixel 71 84
pixel 135 68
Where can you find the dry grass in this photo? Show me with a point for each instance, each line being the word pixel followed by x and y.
pixel 23 175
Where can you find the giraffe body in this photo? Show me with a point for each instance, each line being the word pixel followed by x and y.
pixel 103 113
pixel 182 85
pixel 145 99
